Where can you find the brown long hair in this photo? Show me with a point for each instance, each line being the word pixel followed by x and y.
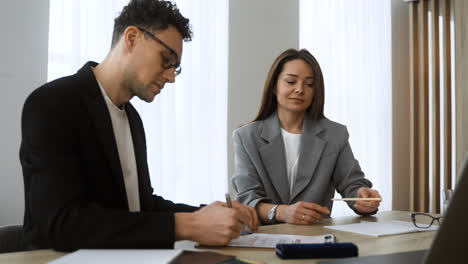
pixel 269 101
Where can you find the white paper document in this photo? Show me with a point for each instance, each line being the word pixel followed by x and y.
pixel 377 229
pixel 262 240
pixel 115 256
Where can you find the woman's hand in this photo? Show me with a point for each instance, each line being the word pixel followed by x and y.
pixel 301 213
pixel 367 206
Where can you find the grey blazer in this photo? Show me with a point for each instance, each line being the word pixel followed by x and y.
pixel 326 163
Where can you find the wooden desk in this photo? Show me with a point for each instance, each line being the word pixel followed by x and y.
pixel 367 245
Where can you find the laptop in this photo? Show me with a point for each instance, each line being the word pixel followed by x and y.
pixel 451 242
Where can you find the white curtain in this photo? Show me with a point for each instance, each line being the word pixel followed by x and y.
pixel 351 39
pixel 186 125
pixel 79 31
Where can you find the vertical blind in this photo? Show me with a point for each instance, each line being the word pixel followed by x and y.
pixel 431 103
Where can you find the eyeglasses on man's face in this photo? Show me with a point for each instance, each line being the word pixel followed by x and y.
pixel 168 61
pixel 422 220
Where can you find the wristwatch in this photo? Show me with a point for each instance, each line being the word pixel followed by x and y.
pixel 272 213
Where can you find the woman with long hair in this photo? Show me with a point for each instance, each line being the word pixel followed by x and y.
pixel 290 159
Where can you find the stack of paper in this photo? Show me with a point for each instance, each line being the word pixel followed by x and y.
pixel 114 256
pixel 381 228
pixel 262 240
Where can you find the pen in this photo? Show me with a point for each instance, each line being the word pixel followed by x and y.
pixel 228 200
pixel 357 199
pixel 229 205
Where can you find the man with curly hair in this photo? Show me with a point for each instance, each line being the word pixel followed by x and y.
pixel 83 149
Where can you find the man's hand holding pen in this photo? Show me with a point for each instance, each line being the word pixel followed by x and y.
pixel 247 210
pixel 215 224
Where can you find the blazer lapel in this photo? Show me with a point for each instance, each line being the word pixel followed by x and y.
pixel 100 116
pixel 273 156
pixel 310 153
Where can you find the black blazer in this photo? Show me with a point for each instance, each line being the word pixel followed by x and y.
pixel 74 190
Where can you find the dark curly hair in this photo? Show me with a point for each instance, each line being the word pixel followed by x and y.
pixel 154 15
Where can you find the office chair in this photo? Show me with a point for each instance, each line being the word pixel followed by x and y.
pixel 11 238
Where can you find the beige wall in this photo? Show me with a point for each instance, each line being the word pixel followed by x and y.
pixel 400 104
pixel 23 67
pixel 461 80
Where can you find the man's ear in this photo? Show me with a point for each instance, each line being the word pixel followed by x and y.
pixel 130 37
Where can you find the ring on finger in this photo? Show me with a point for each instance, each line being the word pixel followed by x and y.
pixel 303 217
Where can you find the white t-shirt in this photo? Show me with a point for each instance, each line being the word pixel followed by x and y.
pixel 123 138
pixel 291 147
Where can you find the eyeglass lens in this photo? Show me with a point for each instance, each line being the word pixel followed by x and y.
pixel 424 220
pixel 168 61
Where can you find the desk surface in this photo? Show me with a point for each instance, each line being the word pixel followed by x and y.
pixel 367 245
